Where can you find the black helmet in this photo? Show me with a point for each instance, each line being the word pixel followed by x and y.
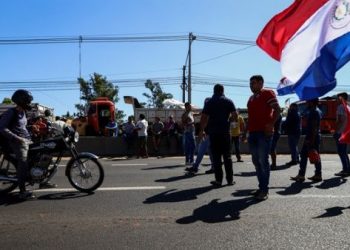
pixel 22 98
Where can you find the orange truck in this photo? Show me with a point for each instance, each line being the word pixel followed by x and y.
pixel 100 112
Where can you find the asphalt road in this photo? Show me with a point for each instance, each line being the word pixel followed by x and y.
pixel 151 204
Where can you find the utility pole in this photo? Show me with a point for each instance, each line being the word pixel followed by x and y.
pixel 191 38
pixel 184 84
pixel 80 41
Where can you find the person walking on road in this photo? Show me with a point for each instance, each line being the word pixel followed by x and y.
pixel 189 129
pixel 263 112
pixel 293 130
pixel 237 126
pixel 275 137
pixel 215 118
pixel 203 147
pixel 311 143
pixel 340 126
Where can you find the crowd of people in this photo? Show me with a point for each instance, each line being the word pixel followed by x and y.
pixel 221 130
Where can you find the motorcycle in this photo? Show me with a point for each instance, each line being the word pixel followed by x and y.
pixel 84 171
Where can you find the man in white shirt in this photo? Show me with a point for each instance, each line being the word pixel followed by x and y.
pixel 141 127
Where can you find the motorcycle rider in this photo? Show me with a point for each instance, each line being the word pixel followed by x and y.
pixel 13 124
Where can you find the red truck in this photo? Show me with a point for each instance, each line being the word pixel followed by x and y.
pixel 100 112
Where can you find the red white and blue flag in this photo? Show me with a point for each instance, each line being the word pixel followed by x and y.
pixel 311 39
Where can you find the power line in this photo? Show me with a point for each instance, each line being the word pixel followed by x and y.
pixel 118 39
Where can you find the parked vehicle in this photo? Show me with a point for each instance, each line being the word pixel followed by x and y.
pixel 84 171
pixel 100 112
pixel 163 113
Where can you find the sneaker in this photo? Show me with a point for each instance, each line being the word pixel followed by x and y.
pixel 210 171
pixel 273 167
pixel 47 185
pixel 216 184
pixel 192 170
pixel 342 174
pixel 315 178
pixel 262 196
pixel 298 178
pixel 26 195
pixel 239 160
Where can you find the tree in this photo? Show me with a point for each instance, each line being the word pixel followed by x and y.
pixel 7 100
pixel 157 96
pixel 97 86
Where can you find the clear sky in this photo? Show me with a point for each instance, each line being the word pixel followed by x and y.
pixel 211 62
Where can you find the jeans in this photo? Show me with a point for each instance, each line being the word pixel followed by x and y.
pixel 304 157
pixel 202 149
pixel 235 140
pixel 220 145
pixel 293 141
pixel 21 152
pixel 259 146
pixel 342 152
pixel 190 146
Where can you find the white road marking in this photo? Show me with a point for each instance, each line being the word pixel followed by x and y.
pixel 116 164
pixel 129 164
pixel 53 190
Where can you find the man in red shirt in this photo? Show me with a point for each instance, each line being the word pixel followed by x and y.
pixel 263 111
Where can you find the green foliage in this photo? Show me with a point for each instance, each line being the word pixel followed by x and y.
pixel 96 86
pixel 7 100
pixel 119 116
pixel 157 96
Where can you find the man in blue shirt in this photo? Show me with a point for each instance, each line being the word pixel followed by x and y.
pixel 215 118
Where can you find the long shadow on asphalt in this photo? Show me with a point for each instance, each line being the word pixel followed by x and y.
pixel 331 212
pixel 63 196
pixel 281 167
pixel 178 196
pixel 246 174
pixel 10 199
pixel 243 192
pixel 216 212
pixel 164 167
pixel 331 183
pixel 177 178
pixel 295 188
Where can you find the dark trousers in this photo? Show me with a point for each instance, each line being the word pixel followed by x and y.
pixel 236 143
pixel 304 157
pixel 342 152
pixel 142 146
pixel 220 145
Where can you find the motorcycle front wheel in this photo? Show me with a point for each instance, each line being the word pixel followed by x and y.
pixel 7 169
pixel 85 174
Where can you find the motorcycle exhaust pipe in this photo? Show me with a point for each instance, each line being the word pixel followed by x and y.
pixel 11 179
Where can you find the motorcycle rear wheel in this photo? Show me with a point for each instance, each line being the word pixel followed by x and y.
pixel 85 174
pixel 7 169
